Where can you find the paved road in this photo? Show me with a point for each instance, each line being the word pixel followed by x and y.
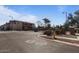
pixel 31 42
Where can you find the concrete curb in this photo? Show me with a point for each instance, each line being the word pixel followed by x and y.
pixel 65 39
pixel 71 40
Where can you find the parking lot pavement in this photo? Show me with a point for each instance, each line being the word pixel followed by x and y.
pixel 31 42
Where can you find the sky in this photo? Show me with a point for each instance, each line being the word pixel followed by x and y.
pixel 34 13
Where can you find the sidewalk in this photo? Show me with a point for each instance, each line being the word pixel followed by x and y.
pixel 66 39
pixel 62 38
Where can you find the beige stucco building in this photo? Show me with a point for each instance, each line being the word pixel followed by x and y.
pixel 17 25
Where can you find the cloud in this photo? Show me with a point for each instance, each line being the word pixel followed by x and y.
pixel 61 8
pixel 7 14
pixel 29 18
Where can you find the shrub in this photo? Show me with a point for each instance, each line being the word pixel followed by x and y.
pixel 48 32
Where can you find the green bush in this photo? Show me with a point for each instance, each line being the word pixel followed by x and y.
pixel 48 32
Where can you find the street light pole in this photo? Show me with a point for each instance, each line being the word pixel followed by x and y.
pixel 11 19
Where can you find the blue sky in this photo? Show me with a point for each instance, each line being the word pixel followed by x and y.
pixel 34 13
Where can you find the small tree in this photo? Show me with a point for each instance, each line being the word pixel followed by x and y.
pixel 39 23
pixel 46 22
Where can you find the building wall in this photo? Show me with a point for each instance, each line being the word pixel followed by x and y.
pixel 28 26
pixel 17 25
